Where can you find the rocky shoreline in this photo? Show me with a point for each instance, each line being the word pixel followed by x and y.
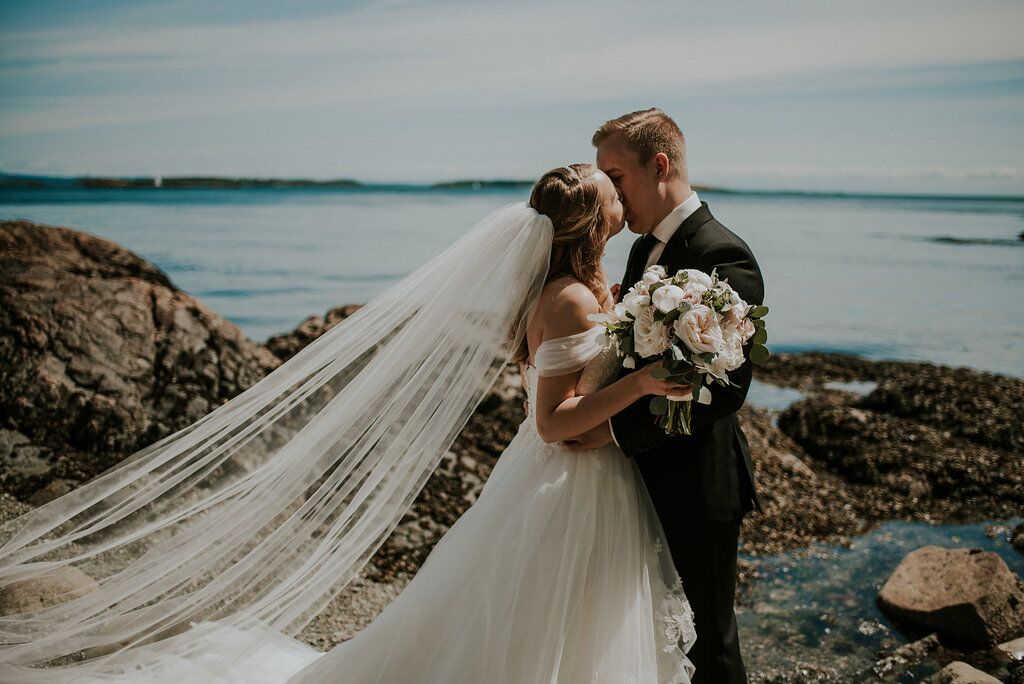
pixel 100 354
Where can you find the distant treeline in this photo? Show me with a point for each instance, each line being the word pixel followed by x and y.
pixel 23 181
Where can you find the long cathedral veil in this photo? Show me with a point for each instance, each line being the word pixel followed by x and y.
pixel 260 513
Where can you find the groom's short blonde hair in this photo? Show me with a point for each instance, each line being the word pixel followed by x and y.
pixel 648 132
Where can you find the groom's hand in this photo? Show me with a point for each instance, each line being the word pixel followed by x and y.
pixel 594 438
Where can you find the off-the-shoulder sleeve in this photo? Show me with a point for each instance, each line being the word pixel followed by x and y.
pixel 564 355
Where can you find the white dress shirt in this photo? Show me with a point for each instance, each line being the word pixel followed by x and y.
pixel 668 226
pixel 664 231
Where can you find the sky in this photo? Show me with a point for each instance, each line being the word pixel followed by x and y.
pixel 908 96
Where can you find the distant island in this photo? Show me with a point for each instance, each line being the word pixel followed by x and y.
pixel 12 181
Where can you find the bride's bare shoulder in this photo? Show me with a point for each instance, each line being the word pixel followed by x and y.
pixel 564 306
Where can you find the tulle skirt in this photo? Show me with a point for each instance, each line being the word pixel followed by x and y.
pixel 558 573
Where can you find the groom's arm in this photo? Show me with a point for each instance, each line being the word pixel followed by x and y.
pixel 634 428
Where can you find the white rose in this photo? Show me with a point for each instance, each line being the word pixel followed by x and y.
pixel 698 277
pixel 650 337
pixel 628 363
pixel 667 297
pixel 635 301
pixel 699 330
pixel 658 270
pixel 650 277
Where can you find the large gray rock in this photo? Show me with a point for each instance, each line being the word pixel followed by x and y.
pixel 100 354
pixel 56 586
pixel 968 595
pixel 962 673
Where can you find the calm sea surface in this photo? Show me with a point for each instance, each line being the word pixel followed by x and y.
pixel 939 280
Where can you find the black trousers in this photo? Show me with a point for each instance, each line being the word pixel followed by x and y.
pixel 704 552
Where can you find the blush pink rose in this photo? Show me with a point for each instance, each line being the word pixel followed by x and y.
pixel 699 330
pixel 693 293
pixel 746 330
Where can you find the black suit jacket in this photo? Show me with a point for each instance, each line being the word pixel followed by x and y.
pixel 711 467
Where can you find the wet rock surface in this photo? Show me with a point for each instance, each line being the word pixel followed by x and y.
pixel 966 595
pixel 894 664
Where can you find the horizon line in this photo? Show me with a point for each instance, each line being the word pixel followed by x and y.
pixel 156 182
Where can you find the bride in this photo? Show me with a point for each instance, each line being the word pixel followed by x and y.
pixel 210 550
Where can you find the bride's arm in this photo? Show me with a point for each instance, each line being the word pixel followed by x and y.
pixel 561 413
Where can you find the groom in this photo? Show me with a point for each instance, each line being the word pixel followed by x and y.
pixel 701 485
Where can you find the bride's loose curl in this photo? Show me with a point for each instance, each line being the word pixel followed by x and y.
pixel 569 196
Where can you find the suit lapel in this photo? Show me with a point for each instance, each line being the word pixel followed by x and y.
pixel 680 240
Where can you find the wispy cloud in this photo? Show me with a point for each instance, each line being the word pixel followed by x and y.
pixel 162 63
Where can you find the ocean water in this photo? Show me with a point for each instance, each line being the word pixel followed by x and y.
pixel 930 279
pixel 819 602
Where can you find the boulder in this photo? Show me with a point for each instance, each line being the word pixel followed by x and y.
pixel 962 673
pixel 967 595
pixel 287 345
pixel 56 586
pixel 100 355
pixel 1017 537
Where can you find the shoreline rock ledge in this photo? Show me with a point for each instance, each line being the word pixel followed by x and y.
pixel 969 596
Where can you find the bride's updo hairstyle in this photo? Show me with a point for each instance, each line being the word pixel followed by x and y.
pixel 569 196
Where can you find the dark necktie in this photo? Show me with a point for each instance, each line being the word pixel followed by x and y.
pixel 647 242
pixel 636 266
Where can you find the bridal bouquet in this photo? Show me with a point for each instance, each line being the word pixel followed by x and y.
pixel 696 324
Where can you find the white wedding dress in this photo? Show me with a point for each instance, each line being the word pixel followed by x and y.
pixel 558 573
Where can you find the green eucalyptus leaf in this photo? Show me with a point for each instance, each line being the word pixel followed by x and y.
pixel 659 406
pixel 759 311
pixel 760 336
pixel 759 354
pixel 660 373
